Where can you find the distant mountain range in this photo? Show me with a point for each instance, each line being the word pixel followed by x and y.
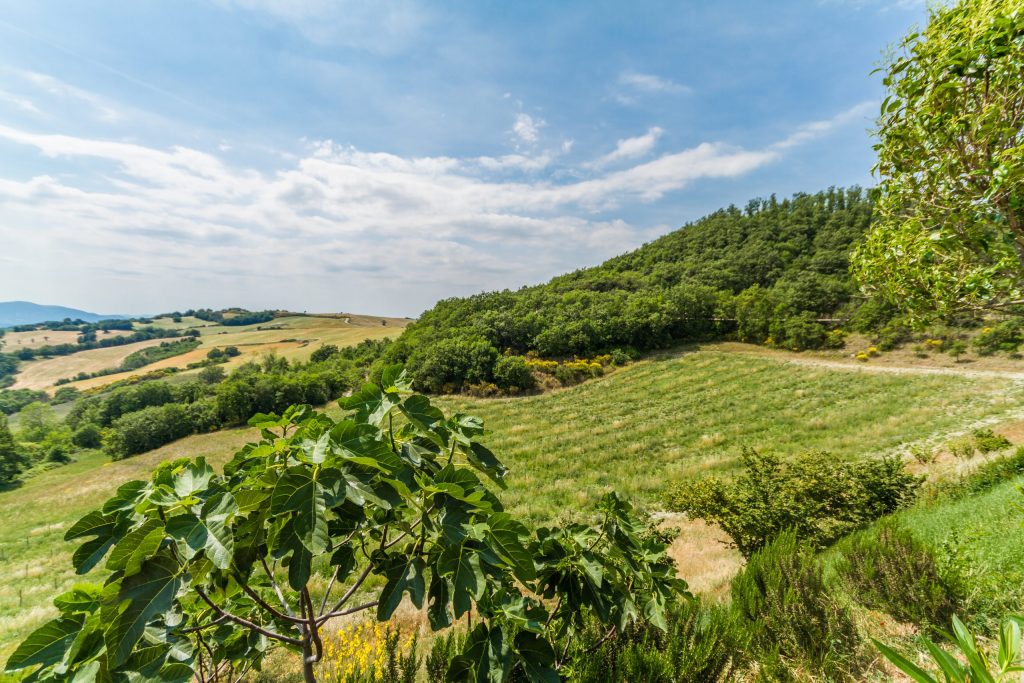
pixel 26 313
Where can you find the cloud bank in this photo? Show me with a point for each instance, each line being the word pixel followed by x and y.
pixel 352 225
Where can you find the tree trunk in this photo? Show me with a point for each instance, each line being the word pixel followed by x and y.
pixel 308 674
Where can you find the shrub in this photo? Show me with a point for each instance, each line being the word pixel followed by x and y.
pixel 1006 337
pixel 512 373
pixel 961 447
pixel 146 429
pixel 816 496
pixel 803 331
pixel 57 454
pixel 702 643
pixel 212 374
pixel 87 436
pixel 986 441
pixel 887 568
pixel 894 334
pixel 794 621
pixel 12 459
pixel 576 371
pixel 448 365
pixel 323 353
pixel 65 395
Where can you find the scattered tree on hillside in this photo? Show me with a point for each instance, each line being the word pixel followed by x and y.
pixel 210 570
pixel 11 459
pixel 949 233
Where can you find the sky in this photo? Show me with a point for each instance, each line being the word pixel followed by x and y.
pixel 375 157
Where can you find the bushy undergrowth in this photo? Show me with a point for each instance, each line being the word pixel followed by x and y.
pixel 819 498
pixel 795 623
pixel 702 644
pixel 888 569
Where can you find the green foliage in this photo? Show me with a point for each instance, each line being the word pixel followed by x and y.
pixel 772 269
pixel 146 429
pixel 794 622
pixel 887 568
pixel 513 374
pixel 986 441
pixel 13 400
pixel 816 496
pixel 211 374
pixel 702 644
pixel 12 460
pixel 445 366
pixel 36 421
pixel 87 436
pixel 209 570
pixel 986 476
pixel 949 233
pixel 973 664
pixel 323 353
pixel 1005 337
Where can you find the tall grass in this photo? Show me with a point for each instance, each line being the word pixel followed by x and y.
pixel 656 423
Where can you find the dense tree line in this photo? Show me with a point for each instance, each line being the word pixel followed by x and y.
pixel 774 271
pixel 139 417
pixel 76 325
pixel 240 316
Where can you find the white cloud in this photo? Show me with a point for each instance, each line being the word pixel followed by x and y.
pixel 631 148
pixel 632 84
pixel 816 129
pixel 360 230
pixel 527 128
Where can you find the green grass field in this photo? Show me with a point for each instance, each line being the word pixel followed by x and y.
pixel 658 422
pixel 639 430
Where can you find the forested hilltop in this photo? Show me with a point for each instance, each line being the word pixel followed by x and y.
pixel 774 271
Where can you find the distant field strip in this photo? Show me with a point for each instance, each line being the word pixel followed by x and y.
pixel 41 374
pixel 658 422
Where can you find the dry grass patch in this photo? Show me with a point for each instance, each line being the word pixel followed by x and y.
pixel 41 374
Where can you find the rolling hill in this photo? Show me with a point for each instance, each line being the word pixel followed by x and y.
pixel 27 313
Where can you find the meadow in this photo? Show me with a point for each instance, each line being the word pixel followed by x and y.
pixel 292 337
pixel 43 373
pixel 643 427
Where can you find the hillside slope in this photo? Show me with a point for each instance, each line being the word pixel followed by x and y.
pixel 774 269
pixel 637 430
pixel 27 313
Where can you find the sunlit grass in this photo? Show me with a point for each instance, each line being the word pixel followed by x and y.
pixel 637 430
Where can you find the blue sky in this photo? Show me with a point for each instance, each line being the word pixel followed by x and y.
pixel 375 157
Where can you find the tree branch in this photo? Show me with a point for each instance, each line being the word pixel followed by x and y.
pixel 348 594
pixel 245 622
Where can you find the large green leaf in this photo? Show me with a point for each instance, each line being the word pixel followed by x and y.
pixel 149 594
pixel 537 656
pixel 135 548
pixel 404 574
pixel 484 460
pixel 193 478
pixel 503 536
pixel 370 403
pixel 298 492
pixel 46 645
pixel 438 596
pixel 220 542
pixel 461 565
